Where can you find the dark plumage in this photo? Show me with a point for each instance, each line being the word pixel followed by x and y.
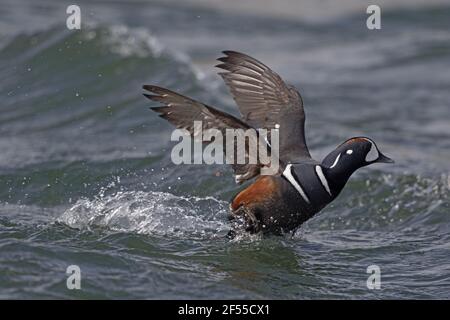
pixel 302 186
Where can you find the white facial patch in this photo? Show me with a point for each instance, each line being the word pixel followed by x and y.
pixel 373 153
pixel 335 161
pixel 349 151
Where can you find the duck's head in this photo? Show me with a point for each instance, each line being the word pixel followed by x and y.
pixel 351 155
pixel 355 153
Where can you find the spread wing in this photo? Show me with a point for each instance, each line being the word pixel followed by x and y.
pixel 265 101
pixel 182 111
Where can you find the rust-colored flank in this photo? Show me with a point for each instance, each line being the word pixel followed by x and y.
pixel 260 191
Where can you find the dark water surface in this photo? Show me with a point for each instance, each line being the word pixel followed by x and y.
pixel 86 176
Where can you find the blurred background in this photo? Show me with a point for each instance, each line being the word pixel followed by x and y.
pixel 85 170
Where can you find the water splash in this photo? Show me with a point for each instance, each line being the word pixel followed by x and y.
pixel 155 213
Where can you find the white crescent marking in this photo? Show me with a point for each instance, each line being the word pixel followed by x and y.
pixel 288 175
pixel 323 180
pixel 335 161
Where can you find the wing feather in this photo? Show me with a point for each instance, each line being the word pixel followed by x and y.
pixel 182 111
pixel 265 100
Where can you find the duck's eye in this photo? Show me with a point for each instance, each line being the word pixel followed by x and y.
pixel 349 151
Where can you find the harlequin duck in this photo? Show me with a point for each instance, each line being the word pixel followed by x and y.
pixel 303 186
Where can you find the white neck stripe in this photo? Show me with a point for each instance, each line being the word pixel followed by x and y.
pixel 322 179
pixel 335 161
pixel 288 175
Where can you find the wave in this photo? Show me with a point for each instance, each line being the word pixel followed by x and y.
pixel 66 80
pixel 83 87
pixel 404 206
pixel 400 205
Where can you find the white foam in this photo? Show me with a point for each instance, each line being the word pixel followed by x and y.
pixel 156 213
pixel 127 42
